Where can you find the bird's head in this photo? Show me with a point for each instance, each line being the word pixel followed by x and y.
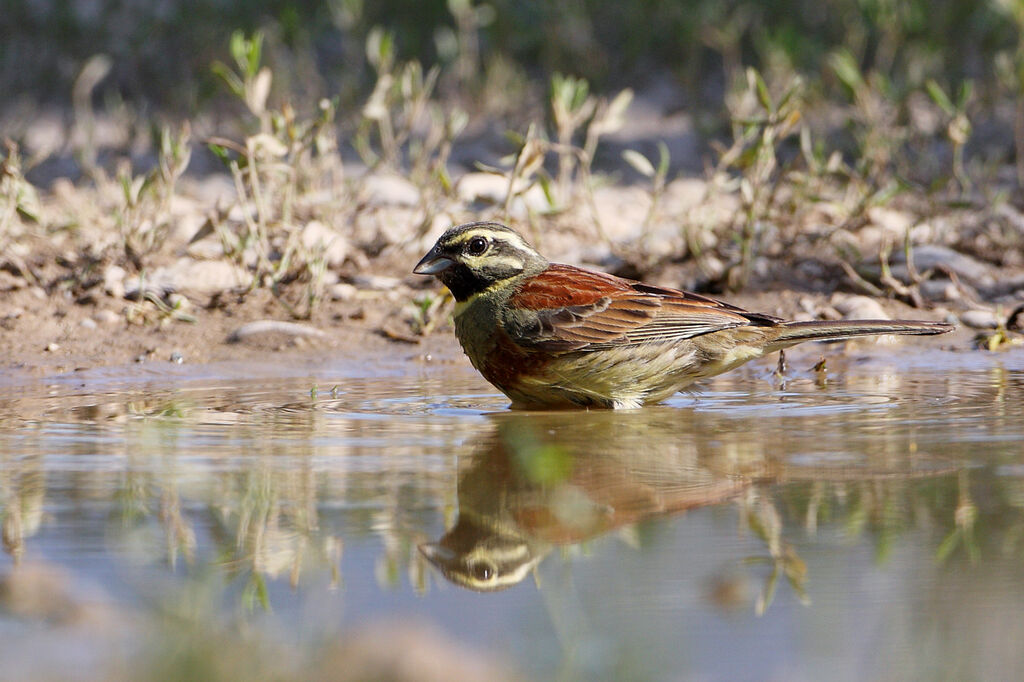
pixel 472 258
pixel 483 558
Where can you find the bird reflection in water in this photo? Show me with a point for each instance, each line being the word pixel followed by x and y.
pixel 544 480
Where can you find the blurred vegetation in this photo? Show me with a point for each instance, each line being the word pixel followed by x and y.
pixel 161 51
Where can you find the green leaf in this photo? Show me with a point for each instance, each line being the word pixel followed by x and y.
pixel 229 77
pixel 757 83
pixel 940 97
pixel 514 137
pixel 964 94
pixel 254 54
pixel 247 52
pixel 237 48
pixel 846 69
pixel 545 186
pixel 768 595
pixel 663 159
pixel 255 593
pixel 947 546
pixel 581 88
pixel 795 87
pixel 380 48
pixel 444 180
pixel 220 152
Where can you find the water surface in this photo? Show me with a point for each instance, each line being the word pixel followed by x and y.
pixel 233 521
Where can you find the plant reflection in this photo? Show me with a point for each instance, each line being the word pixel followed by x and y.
pixel 22 498
pixel 278 491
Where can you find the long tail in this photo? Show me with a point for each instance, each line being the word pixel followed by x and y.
pixel 792 333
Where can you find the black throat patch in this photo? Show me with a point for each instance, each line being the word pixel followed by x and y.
pixel 463 282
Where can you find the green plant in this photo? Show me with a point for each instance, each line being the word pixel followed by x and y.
pixel 401 102
pixel 573 109
pixel 274 168
pixel 958 125
pixel 874 122
pixel 461 46
pixel 765 523
pixel 760 125
pixel 1010 70
pixel 144 217
pixel 18 200
pixel 403 128
pixel 251 82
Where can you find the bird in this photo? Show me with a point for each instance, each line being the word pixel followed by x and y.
pixel 555 336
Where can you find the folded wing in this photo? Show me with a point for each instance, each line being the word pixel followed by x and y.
pixel 581 310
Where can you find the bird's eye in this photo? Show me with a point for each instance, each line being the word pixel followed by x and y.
pixel 476 246
pixel 482 570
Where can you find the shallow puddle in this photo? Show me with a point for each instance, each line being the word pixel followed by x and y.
pixel 252 522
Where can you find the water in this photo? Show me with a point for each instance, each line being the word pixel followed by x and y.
pixel 344 518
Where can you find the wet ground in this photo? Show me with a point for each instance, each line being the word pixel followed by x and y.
pixel 348 519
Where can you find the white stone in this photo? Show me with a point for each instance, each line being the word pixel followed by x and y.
pixel 979 319
pixel 318 238
pixel 268 327
pixel 860 308
pixel 106 317
pixel 113 280
pixel 892 221
pixel 203 277
pixel 390 190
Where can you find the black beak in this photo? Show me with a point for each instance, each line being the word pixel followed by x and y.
pixel 438 555
pixel 433 263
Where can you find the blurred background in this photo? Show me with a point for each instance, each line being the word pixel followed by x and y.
pixel 500 55
pixel 161 51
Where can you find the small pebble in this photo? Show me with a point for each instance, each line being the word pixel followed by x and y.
pixel 860 308
pixel 263 327
pixel 88 323
pixel 376 282
pixel 52 347
pixel 113 281
pixel 178 302
pixel 979 319
pixel 342 292
pixel 106 317
pixel 177 358
pixel 940 290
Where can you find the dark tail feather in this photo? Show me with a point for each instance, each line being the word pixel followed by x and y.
pixel 792 333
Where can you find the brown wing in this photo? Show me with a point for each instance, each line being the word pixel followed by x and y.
pixel 579 309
